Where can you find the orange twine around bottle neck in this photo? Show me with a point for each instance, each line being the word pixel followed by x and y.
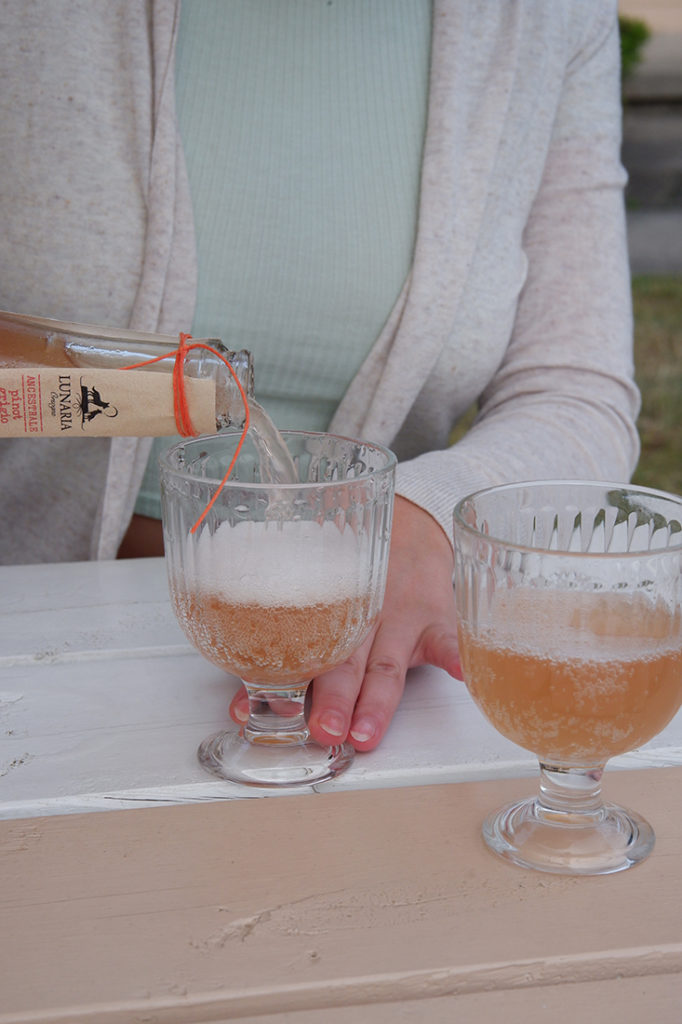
pixel 183 420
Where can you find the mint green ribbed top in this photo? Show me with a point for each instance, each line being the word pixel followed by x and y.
pixel 303 123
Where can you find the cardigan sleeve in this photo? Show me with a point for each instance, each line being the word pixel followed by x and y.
pixel 563 402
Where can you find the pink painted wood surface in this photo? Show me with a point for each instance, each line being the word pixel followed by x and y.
pixel 380 905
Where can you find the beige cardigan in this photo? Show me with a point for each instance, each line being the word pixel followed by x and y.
pixel 518 293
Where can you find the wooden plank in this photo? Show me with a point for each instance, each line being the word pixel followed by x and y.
pixel 70 612
pixel 656 999
pixel 288 909
pixel 74 634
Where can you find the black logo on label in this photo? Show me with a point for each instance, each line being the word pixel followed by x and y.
pixel 91 404
pixel 69 403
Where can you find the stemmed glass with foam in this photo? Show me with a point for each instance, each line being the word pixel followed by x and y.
pixel 569 598
pixel 279 582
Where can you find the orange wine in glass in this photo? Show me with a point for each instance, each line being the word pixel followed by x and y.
pixel 281 580
pixel 569 597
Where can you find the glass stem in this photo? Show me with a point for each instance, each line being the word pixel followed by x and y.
pixel 569 795
pixel 276 716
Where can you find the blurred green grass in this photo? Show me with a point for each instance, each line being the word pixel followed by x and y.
pixel 657 302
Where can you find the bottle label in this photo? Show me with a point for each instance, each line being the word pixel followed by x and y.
pixel 84 402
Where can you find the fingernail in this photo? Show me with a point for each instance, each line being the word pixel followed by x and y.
pixel 333 723
pixel 363 730
pixel 241 714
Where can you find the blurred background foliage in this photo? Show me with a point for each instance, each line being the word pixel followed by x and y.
pixel 657 305
pixel 633 36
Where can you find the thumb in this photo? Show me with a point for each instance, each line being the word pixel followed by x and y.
pixel 439 647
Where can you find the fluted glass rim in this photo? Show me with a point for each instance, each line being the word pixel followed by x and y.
pixel 169 470
pixel 460 524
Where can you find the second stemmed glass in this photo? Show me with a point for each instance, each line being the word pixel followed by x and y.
pixel 569 599
pixel 278 583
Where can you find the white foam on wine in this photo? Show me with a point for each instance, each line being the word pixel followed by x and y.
pixel 589 626
pixel 296 563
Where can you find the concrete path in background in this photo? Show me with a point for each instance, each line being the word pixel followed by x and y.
pixel 655 241
pixel 652 141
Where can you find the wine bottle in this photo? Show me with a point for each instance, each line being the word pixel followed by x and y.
pixel 72 380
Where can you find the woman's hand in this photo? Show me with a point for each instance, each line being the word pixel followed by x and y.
pixel 417 626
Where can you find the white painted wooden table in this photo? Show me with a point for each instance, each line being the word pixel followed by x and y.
pixel 103 703
pixel 380 903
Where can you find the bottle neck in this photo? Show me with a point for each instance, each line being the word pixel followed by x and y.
pixel 229 403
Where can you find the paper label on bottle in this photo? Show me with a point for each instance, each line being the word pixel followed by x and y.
pixel 84 402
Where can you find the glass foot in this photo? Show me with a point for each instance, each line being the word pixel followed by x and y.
pixel 527 834
pixel 272 765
